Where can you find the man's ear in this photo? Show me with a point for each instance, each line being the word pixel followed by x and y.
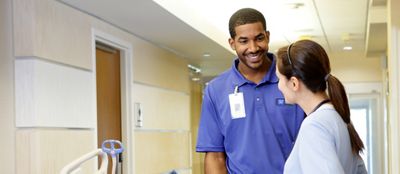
pixel 267 35
pixel 232 43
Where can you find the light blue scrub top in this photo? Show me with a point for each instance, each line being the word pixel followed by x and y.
pixel 323 146
pixel 262 140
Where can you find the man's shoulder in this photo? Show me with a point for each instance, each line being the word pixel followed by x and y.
pixel 221 79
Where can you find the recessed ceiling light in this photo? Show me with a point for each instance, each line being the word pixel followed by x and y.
pixel 206 55
pixel 304 30
pixel 305 37
pixel 195 79
pixel 347 48
pixel 295 5
pixel 194 69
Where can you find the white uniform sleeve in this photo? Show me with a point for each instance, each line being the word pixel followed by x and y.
pixel 317 152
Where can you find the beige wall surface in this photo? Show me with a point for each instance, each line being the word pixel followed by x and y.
pixel 393 86
pixel 161 152
pixel 152 65
pixel 53 31
pixel 170 113
pixel 355 67
pixel 195 105
pixel 47 151
pixel 160 67
pixel 7 124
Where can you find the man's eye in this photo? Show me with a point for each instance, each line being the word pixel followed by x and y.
pixel 261 38
pixel 242 41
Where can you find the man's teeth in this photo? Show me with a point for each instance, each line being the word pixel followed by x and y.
pixel 253 55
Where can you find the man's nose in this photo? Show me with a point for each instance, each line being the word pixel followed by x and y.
pixel 253 47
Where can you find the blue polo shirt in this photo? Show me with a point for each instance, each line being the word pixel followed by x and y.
pixel 261 141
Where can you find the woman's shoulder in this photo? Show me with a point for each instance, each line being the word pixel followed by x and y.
pixel 325 113
pixel 324 118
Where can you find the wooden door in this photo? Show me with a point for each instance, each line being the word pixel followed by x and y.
pixel 108 96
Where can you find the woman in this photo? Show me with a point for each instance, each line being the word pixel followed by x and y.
pixel 327 141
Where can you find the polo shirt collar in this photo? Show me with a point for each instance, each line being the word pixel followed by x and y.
pixel 270 77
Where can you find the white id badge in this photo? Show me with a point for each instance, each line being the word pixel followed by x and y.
pixel 236 102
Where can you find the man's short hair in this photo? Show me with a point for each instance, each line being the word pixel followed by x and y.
pixel 245 16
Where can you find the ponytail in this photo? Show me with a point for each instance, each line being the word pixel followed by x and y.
pixel 337 95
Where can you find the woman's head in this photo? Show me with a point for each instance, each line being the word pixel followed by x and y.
pixel 307 61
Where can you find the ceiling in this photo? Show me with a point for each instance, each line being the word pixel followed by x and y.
pixel 191 28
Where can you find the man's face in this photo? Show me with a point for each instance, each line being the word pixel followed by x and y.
pixel 251 45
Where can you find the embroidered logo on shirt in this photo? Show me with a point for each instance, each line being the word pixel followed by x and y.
pixel 281 102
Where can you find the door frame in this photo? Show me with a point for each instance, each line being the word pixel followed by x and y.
pixel 393 95
pixel 372 91
pixel 127 132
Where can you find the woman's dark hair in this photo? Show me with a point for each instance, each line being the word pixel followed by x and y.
pixel 308 61
pixel 245 16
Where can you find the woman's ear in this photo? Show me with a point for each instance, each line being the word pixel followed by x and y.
pixel 294 83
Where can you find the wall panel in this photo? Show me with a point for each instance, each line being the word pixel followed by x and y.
pixel 196 97
pixel 160 152
pixel 7 111
pixel 47 151
pixel 50 30
pixel 163 109
pixel 160 67
pixel 53 95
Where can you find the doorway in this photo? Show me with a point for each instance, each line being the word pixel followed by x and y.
pixel 364 109
pixel 126 90
pixel 108 87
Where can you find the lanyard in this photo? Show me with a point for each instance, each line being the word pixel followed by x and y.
pixel 319 105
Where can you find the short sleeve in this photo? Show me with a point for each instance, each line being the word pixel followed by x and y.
pixel 317 152
pixel 210 137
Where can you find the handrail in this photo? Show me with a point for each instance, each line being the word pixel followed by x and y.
pixel 74 165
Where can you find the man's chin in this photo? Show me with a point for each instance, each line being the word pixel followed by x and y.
pixel 255 66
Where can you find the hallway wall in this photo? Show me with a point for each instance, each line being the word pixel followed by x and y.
pixel 356 67
pixel 49 32
pixel 196 98
pixel 7 124
pixel 393 99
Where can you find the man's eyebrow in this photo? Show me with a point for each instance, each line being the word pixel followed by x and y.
pixel 243 38
pixel 261 34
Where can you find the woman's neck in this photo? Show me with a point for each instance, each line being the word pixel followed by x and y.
pixel 310 101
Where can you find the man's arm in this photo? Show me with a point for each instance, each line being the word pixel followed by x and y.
pixel 214 163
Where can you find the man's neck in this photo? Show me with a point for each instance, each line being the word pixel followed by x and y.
pixel 255 75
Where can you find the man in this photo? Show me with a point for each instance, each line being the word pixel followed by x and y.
pixel 246 126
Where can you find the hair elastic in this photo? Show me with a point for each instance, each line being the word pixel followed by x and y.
pixel 327 76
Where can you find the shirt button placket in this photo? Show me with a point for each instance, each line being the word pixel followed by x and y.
pixel 258 97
